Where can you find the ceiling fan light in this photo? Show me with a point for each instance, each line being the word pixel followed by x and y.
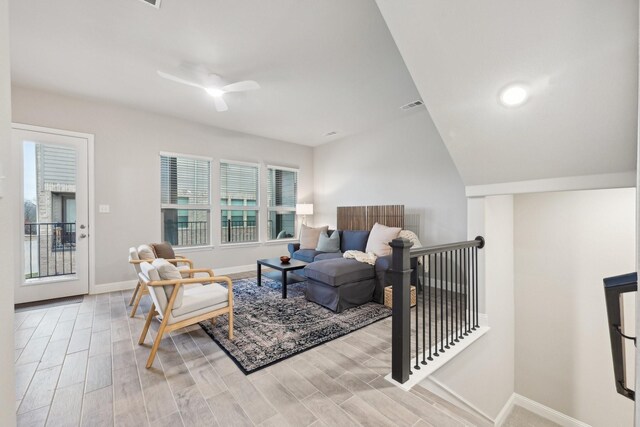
pixel 215 92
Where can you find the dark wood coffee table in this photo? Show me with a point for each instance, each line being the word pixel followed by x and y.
pixel 281 274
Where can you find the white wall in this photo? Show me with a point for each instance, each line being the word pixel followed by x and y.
pixel 483 375
pixel 566 243
pixel 8 216
pixel 127 172
pixel 402 162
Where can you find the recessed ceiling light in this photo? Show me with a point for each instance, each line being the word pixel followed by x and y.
pixel 333 132
pixel 514 95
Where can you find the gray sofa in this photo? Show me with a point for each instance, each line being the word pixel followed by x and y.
pixel 338 283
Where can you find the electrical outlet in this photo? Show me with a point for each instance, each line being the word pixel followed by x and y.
pixel 104 209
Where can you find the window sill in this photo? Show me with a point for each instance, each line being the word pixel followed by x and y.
pixel 280 241
pixel 239 245
pixel 182 249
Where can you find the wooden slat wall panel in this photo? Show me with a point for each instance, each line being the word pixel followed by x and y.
pixel 364 217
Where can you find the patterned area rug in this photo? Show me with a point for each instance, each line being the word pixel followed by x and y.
pixel 268 329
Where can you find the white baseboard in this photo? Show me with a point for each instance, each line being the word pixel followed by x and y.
pixel 538 409
pixel 113 286
pixel 234 270
pixel 438 388
pixel 505 411
pixel 438 362
pixel 131 284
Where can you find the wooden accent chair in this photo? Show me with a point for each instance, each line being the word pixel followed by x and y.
pixel 146 253
pixel 179 305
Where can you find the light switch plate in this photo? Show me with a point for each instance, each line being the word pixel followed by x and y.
pixel 104 209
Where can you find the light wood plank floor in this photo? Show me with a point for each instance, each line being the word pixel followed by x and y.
pixel 80 364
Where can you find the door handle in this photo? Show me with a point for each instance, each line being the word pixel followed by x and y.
pixel 82 236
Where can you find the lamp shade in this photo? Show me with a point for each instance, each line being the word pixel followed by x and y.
pixel 304 209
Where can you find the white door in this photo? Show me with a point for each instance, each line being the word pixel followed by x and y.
pixel 54 241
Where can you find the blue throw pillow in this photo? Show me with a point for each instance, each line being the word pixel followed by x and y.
pixel 354 240
pixel 328 244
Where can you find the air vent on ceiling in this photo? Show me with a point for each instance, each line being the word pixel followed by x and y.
pixel 154 3
pixel 411 105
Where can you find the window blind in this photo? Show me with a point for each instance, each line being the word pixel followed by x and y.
pixel 185 181
pixel 282 187
pixel 238 184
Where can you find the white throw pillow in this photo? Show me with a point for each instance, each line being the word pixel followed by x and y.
pixel 379 239
pixel 309 236
pixel 145 252
pixel 168 271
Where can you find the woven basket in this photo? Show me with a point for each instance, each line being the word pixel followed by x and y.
pixel 388 296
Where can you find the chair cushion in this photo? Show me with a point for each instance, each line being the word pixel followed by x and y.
pixel 339 271
pixel 163 250
pixel 354 240
pixel 379 239
pixel 168 271
pixel 327 255
pixel 146 252
pixel 328 244
pixel 184 275
pixel 309 236
pixel 306 255
pixel 200 297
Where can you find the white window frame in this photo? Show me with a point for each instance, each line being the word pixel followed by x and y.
pixel 256 208
pixel 189 206
pixel 283 209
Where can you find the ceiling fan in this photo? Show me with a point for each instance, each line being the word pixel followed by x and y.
pixel 214 86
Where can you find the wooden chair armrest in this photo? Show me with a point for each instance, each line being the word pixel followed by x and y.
pixel 198 270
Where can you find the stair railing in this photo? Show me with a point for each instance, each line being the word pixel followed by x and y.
pixel 446 304
pixel 614 288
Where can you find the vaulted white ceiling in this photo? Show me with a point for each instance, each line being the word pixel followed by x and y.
pixel 328 65
pixel 579 57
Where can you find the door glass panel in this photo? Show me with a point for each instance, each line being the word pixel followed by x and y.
pixel 49 210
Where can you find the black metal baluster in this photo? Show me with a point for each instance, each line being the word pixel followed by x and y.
pixel 456 311
pixel 446 300
pixel 429 302
pixel 444 312
pixel 435 300
pixel 467 297
pixel 461 288
pixel 417 365
pixel 424 312
pixel 442 285
pixel 476 285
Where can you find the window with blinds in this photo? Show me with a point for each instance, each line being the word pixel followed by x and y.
pixel 239 202
pixel 282 195
pixel 185 194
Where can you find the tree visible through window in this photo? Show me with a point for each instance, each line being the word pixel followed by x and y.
pixel 283 196
pixel 185 199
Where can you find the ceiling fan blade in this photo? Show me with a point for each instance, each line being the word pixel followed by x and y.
pixel 179 79
pixel 241 86
pixel 220 104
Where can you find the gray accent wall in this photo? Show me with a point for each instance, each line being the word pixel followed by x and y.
pixel 128 143
pixel 401 162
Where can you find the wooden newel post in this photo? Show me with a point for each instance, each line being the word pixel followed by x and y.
pixel 401 339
